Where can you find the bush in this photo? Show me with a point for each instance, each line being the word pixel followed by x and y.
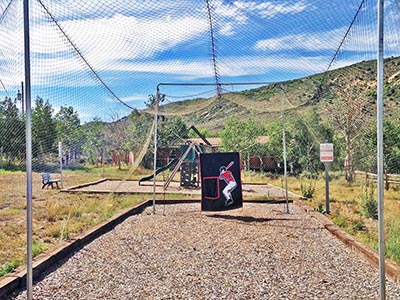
pixel 308 188
pixel 339 219
pixel 320 208
pixel 369 204
pixel 307 191
pixel 358 225
pixel 37 248
pixel 9 267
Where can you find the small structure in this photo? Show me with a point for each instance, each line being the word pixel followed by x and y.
pixel 188 163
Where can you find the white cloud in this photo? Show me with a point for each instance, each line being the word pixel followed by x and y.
pixel 320 41
pixel 120 37
pixel 258 65
pixel 272 9
pixel 134 98
pixel 243 66
pixel 227 29
pixel 108 44
pixel 309 41
pixel 121 41
pixel 183 69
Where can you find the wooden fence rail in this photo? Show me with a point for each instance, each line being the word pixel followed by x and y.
pixel 388 178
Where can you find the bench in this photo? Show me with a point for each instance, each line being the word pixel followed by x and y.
pixel 47 181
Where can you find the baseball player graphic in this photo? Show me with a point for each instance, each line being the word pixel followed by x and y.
pixel 230 181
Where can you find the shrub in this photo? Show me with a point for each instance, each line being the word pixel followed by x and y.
pixel 320 208
pixel 308 189
pixel 9 267
pixel 358 225
pixel 308 181
pixel 37 248
pixel 369 204
pixel 339 220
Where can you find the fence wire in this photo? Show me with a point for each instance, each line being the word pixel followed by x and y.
pixel 96 65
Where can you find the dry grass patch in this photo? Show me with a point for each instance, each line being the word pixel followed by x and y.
pixel 56 215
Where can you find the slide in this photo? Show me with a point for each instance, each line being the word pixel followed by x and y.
pixel 159 170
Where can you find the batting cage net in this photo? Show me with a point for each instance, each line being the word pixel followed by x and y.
pixel 222 75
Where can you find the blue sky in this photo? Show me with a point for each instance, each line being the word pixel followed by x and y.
pixel 135 45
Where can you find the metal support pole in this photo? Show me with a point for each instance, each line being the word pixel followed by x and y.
pixel 22 97
pixel 28 133
pixel 379 117
pixel 327 207
pixel 284 152
pixel 156 103
pixel 61 164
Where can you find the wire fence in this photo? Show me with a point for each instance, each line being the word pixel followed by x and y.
pixel 95 66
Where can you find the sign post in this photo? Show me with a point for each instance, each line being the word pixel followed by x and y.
pixel 326 156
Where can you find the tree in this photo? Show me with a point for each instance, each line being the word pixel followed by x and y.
pixel 350 112
pixel 391 147
pixel 241 136
pixel 69 132
pixel 119 134
pixel 12 129
pixel 152 100
pixel 94 140
pixel 43 128
pixel 303 136
pixel 170 131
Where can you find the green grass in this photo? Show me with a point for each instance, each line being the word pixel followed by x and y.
pixel 393 239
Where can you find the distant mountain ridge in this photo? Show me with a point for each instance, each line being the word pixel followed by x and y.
pixel 264 104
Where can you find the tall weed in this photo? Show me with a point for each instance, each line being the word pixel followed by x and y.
pixel 393 240
pixel 369 204
pixel 307 184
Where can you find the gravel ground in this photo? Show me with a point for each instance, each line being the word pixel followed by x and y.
pixel 257 252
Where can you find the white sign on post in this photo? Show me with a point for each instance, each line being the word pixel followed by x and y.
pixel 326 152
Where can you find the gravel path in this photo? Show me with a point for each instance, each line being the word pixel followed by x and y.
pixel 257 252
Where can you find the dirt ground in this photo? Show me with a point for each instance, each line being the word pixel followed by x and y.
pixel 266 191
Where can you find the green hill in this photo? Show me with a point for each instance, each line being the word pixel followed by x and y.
pixel 318 91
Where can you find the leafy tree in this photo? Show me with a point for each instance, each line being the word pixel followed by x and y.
pixel 302 146
pixel 303 136
pixel 43 128
pixel 171 131
pixel 139 125
pixel 95 140
pixel 69 132
pixel 12 131
pixel 241 136
pixel 118 137
pixel 391 147
pixel 152 100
